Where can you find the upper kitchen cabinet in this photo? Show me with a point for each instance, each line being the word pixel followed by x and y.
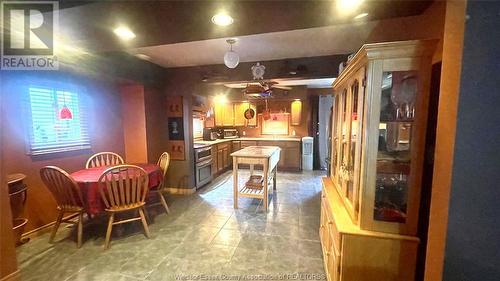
pixel 233 114
pixel 379 126
pixel 224 114
pixel 239 113
pixel 296 112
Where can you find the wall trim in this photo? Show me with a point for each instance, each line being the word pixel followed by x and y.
pixel 181 191
pixel 39 231
pixel 14 276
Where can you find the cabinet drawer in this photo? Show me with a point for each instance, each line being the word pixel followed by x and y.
pixel 323 230
pixel 331 227
pixel 248 143
pixel 222 146
pixel 333 264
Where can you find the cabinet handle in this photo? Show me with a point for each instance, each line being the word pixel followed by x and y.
pixel 322 226
pixel 330 222
pixel 327 253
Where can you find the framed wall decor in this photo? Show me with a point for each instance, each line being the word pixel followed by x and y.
pixel 175 128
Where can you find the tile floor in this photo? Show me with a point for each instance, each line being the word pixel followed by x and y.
pixel 203 235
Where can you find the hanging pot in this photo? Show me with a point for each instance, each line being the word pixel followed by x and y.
pixel 266 115
pixel 249 113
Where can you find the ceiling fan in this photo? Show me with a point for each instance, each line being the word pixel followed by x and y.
pixel 258 87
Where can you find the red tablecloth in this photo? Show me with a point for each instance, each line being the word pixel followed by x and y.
pixel 88 179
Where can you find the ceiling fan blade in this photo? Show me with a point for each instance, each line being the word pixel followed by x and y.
pixel 235 85
pixel 282 87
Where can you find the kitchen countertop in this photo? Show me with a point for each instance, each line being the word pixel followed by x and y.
pixel 202 143
pixel 256 151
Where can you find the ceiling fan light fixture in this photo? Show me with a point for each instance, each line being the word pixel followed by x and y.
pixel 222 19
pixel 124 33
pixel 360 16
pixel 348 6
pixel 231 58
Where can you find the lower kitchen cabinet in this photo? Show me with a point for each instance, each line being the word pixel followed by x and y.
pixel 353 254
pixel 224 160
pixel 290 156
pixel 236 145
pixel 247 143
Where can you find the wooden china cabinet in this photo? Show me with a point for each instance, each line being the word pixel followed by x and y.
pixel 370 201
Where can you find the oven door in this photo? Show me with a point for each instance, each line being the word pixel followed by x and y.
pixel 203 173
pixel 202 154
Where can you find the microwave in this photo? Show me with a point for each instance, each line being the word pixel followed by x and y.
pixel 230 133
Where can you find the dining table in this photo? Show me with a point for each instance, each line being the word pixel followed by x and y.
pixel 88 181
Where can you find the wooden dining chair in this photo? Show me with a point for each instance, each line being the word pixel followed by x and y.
pixel 104 159
pixel 124 188
pixel 68 196
pixel 163 162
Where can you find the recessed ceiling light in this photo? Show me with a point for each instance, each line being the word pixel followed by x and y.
pixel 222 19
pixel 360 16
pixel 347 6
pixel 124 33
pixel 143 56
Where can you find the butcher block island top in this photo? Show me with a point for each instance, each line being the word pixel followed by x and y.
pixel 268 157
pixel 256 151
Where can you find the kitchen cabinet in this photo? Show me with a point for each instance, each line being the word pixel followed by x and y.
pixel 224 160
pixel 353 254
pixel 290 156
pixel 215 160
pixel 239 113
pixel 378 145
pixel 236 145
pixel 252 122
pixel 219 115
pixel 228 119
pixel 248 143
pixel 296 112
pixel 224 114
pixel 233 114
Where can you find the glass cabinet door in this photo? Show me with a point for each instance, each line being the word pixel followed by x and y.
pixel 335 138
pixel 344 142
pixel 397 111
pixel 353 131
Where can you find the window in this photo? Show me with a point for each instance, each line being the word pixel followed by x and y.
pixel 197 128
pixel 48 133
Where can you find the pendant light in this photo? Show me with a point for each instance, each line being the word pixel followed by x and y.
pixel 65 113
pixel 231 58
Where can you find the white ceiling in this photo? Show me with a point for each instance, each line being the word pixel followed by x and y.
pixel 320 41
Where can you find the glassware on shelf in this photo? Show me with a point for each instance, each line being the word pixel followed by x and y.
pixel 403 91
pixel 393 161
pixel 391 198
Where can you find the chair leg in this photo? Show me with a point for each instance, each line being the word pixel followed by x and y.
pixel 144 223
pixel 108 232
pixel 80 230
pixel 56 226
pixel 163 202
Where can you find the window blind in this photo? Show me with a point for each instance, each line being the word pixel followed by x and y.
pixel 49 133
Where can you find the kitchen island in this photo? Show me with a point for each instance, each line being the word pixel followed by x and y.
pixel 268 157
